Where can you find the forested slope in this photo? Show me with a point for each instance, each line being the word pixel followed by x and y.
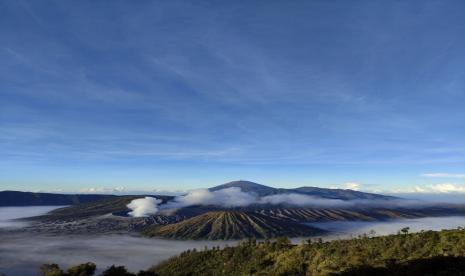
pixel 426 253
pixel 388 255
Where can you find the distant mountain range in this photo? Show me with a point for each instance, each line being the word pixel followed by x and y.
pixel 15 198
pixel 108 213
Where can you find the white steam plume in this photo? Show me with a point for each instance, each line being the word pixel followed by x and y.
pixel 229 197
pixel 235 197
pixel 302 200
pixel 143 207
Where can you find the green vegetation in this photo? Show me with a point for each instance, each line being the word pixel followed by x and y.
pixel 439 265
pixel 389 255
pixel 424 253
pixel 86 269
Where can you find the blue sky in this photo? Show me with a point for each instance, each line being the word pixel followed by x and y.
pixel 183 94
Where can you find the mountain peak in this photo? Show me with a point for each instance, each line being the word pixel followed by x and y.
pixel 263 190
pixel 246 186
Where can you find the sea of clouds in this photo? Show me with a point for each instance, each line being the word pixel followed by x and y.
pixel 235 197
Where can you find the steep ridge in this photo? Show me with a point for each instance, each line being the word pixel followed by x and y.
pixel 226 225
pixel 343 194
pixel 16 198
pixel 327 214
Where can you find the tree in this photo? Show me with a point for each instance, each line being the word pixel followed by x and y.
pixel 87 269
pixel 50 270
pixel 117 271
pixel 146 273
pixel 405 230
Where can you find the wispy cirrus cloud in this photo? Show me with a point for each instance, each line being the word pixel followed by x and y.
pixel 444 175
pixel 102 190
pixel 439 188
pixel 258 86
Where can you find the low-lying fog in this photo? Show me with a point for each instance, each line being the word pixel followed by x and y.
pixel 9 214
pixel 348 229
pixel 23 253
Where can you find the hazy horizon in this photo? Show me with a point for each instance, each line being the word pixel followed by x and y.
pixel 444 197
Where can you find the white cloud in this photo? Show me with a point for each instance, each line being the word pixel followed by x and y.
pixel 301 200
pixel 419 189
pixel 448 188
pixel 352 186
pixel 444 175
pixel 143 207
pixel 168 192
pixel 230 197
pixel 235 197
pixel 91 190
pixel 440 188
pixel 102 190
